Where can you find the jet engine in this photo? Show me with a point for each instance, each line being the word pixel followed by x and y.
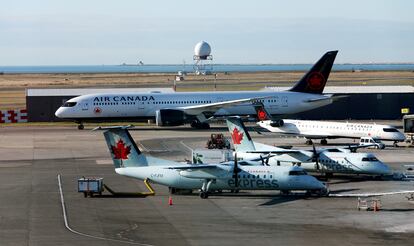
pixel 171 117
pixel 277 123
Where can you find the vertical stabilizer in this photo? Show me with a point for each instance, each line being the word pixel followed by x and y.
pixel 315 79
pixel 239 135
pixel 124 151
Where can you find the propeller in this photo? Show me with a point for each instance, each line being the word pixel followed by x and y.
pixel 315 158
pixel 236 171
pixel 265 162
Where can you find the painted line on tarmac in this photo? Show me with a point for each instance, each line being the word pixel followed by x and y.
pixel 185 145
pixel 65 218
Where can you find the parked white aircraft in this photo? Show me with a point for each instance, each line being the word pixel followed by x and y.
pixel 173 109
pixel 327 161
pixel 130 161
pixel 313 129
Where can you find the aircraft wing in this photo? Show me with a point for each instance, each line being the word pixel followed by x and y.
pixel 372 194
pixel 318 99
pixel 285 151
pixel 200 171
pixel 193 167
pixel 352 148
pixel 213 107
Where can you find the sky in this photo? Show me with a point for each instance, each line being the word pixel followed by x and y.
pixel 95 32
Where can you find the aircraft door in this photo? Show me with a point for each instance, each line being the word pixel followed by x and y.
pixel 284 101
pixel 85 106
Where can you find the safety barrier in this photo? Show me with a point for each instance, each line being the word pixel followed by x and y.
pixel 13 116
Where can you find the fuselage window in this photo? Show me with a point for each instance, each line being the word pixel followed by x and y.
pixel 296 173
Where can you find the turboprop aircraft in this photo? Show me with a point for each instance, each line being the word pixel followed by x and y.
pixel 314 129
pixel 130 161
pixel 326 161
pixel 196 108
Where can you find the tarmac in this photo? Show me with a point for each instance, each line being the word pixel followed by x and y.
pixel 31 210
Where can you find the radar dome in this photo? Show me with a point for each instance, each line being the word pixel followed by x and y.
pixel 202 50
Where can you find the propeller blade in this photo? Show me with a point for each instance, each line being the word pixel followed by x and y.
pixel 261 158
pixel 316 158
pixel 235 171
pixel 267 160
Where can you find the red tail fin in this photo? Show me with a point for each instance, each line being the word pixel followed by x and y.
pixel 261 112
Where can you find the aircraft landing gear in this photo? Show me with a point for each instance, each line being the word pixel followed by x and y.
pixel 81 126
pixel 309 141
pixel 324 141
pixel 200 125
pixel 285 192
pixel 204 192
pixel 203 195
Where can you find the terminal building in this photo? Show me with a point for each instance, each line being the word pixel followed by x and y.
pixel 353 103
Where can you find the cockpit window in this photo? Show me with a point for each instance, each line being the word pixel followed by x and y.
pixel 369 159
pixel 389 130
pixel 296 173
pixel 69 104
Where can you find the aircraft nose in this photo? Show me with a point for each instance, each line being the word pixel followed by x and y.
pixel 380 169
pixel 316 184
pixel 59 112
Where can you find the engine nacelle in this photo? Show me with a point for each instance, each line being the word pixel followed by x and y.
pixel 277 123
pixel 171 117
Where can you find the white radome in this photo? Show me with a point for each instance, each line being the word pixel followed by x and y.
pixel 202 49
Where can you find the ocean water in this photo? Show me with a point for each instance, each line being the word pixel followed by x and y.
pixel 189 68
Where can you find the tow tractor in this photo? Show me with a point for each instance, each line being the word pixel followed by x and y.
pixel 217 141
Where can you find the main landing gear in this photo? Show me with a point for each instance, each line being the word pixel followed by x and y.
pixel 310 142
pixel 204 192
pixel 200 125
pixel 80 126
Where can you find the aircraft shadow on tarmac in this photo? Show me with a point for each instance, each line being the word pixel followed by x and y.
pixel 397 209
pixel 353 179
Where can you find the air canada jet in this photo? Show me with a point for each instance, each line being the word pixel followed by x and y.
pixel 314 129
pixel 196 108
pixel 326 161
pixel 130 161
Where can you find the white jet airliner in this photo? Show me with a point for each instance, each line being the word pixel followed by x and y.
pixel 130 161
pixel 313 129
pixel 174 109
pixel 327 161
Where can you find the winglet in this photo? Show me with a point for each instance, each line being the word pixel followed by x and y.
pixel 261 112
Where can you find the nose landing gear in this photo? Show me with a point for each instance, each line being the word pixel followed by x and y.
pixel 80 125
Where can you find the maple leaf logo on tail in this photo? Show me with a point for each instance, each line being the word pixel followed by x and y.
pixel 121 151
pixel 316 81
pixel 236 136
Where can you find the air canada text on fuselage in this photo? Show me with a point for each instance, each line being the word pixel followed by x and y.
pixel 123 98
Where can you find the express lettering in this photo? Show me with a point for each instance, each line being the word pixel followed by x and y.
pixel 254 183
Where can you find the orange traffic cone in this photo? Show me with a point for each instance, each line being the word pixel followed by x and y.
pixel 170 202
